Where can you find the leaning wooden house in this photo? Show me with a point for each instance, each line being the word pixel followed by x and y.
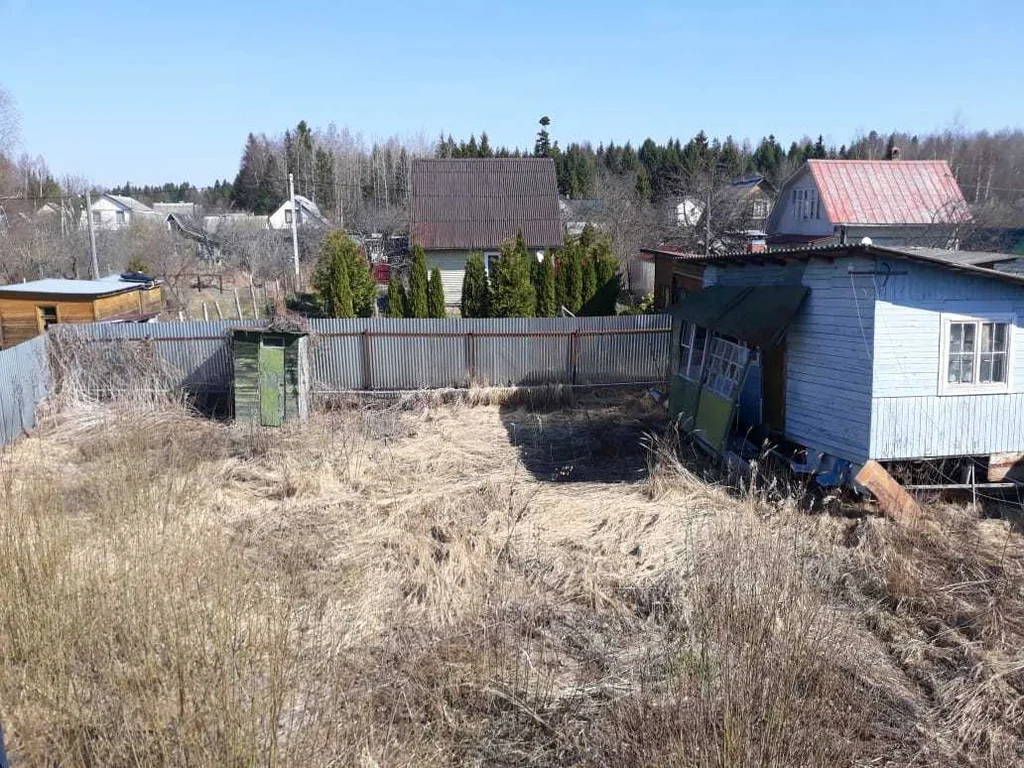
pixel 850 355
pixel 271 376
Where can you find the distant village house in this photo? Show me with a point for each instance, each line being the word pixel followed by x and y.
pixel 476 205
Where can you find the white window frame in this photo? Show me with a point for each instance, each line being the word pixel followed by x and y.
pixel 120 218
pixel 97 217
pixel 288 214
pixel 724 364
pixel 947 388
pixel 488 255
pixel 690 368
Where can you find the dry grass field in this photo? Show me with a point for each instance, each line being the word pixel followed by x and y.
pixel 431 584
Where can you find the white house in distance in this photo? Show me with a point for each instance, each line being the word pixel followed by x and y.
pixel 892 202
pixel 308 214
pixel 114 212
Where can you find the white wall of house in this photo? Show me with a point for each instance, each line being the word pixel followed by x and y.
pixel 109 215
pixel 281 218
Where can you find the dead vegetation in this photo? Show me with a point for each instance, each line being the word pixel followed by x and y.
pixel 469 584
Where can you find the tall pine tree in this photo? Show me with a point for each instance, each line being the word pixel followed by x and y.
pixel 476 291
pixel 396 298
pixel 435 295
pixel 418 303
pixel 569 281
pixel 513 292
pixel 589 282
pixel 342 279
pixel 331 279
pixel 545 287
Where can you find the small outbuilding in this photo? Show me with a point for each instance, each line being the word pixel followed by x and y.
pixel 849 356
pixel 29 309
pixel 271 376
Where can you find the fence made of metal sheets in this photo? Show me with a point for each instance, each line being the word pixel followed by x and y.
pixel 24 382
pixel 383 354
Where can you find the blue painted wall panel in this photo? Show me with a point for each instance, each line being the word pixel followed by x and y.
pixel 910 419
pixel 828 359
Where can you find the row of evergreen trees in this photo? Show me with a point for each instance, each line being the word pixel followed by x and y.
pixel 423 297
pixel 585 282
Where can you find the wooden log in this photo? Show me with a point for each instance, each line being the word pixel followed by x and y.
pixel 255 306
pixel 206 313
pixel 238 304
pixel 216 306
pixel 892 498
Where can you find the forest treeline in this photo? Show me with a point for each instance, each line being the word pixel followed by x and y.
pixel 366 185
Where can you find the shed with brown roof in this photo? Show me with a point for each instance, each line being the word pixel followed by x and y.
pixel 461 206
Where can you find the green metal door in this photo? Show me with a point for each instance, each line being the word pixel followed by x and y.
pixel 272 381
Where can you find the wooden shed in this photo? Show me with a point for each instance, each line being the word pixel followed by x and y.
pixel 271 376
pixel 28 309
pixel 858 354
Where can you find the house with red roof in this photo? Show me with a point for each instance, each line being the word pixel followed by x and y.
pixel 891 202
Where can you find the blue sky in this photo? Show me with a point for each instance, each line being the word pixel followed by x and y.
pixel 153 92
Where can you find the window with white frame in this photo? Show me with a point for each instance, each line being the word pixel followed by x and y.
pixel 491 262
pixel 806 204
pixel 692 347
pixel 120 217
pixel 726 363
pixel 977 354
pixel 97 217
pixel 287 216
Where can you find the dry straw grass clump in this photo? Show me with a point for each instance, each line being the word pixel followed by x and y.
pixel 523 583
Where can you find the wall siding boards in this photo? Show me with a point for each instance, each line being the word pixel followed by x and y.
pixel 828 351
pixel 24 382
pixel 909 417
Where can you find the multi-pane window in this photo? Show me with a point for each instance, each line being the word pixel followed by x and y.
pixel 119 217
pixel 726 362
pixel 692 347
pixel 806 204
pixel 977 354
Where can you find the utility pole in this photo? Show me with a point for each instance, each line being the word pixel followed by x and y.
pixel 92 236
pixel 295 233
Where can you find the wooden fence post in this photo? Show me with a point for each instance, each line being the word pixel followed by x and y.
pixel 470 358
pixel 216 306
pixel 238 304
pixel 206 313
pixel 367 362
pixel 574 354
pixel 255 306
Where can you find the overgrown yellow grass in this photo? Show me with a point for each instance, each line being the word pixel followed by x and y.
pixel 440 584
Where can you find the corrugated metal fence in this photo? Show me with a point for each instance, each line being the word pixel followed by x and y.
pixel 396 354
pixel 24 382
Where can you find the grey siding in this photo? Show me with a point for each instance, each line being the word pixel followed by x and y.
pixel 24 382
pixel 828 359
pixel 397 354
pixel 910 419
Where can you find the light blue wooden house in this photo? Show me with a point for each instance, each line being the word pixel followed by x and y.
pixel 851 353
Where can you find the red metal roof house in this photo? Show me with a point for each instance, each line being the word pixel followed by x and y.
pixel 893 202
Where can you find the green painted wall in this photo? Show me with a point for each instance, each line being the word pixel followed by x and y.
pixel 271 377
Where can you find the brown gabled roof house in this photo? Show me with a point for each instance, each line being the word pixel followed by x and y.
pixel 466 205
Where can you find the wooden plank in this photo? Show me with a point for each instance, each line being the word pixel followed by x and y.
pixel 892 498
pixel 1006 466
